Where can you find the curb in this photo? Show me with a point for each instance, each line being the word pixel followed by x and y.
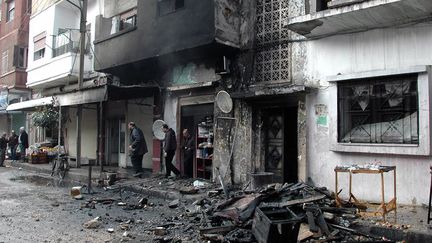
pixel 397 234
pixel 161 194
pixel 70 176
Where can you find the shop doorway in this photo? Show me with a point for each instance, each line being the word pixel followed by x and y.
pixel 198 119
pixel 281 150
pixel 116 141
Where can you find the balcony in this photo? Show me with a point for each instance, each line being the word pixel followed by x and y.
pixel 153 31
pixel 63 67
pixel 350 16
pixel 66 41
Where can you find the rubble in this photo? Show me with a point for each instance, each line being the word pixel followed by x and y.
pixel 93 224
pixel 174 203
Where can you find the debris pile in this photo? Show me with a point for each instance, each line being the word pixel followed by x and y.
pixel 276 213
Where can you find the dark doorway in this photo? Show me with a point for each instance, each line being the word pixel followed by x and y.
pixel 281 143
pixel 191 116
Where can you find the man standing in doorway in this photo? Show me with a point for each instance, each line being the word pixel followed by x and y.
pixel 23 143
pixel 3 148
pixel 170 147
pixel 188 150
pixel 137 148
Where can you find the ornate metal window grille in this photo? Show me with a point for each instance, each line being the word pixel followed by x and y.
pixel 273 52
pixel 379 110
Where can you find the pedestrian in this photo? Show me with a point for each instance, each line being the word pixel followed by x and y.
pixel 188 151
pixel 137 148
pixel 23 143
pixel 3 148
pixel 13 144
pixel 170 147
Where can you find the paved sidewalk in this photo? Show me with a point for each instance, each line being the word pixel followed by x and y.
pixel 74 174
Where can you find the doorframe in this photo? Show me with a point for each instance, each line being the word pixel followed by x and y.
pixel 258 106
pixel 186 101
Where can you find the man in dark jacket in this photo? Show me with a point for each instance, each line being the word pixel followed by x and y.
pixel 188 151
pixel 137 147
pixel 23 142
pixel 13 144
pixel 170 147
pixel 3 148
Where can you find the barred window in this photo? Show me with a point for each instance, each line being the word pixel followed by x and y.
pixel 379 110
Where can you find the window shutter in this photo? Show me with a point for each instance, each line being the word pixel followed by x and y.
pixel 16 56
pixel 39 41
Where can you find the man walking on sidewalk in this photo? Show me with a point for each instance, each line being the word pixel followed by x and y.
pixel 137 147
pixel 170 148
pixel 3 148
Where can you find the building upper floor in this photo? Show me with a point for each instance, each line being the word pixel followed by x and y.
pixel 322 18
pixel 133 31
pixel 54 43
pixel 14 16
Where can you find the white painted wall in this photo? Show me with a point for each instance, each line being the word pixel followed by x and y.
pixel 48 71
pixel 88 132
pixel 381 49
pixel 142 115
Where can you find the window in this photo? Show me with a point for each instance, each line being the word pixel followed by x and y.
pixel 20 57
pixel 379 110
pixel 128 19
pixel 5 62
pixel 29 6
pixel 39 46
pixel 39 54
pixel 169 6
pixel 10 10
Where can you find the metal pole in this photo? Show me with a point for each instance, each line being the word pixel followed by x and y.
pixel 98 107
pixel 101 143
pixel 59 133
pixel 83 31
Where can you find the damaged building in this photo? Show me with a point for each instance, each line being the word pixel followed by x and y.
pixel 314 84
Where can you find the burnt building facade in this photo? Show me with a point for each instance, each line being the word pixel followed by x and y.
pixel 178 51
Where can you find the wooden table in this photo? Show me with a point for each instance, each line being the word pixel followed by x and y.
pixel 384 207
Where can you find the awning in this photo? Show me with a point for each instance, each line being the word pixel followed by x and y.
pixel 30 104
pixel 82 97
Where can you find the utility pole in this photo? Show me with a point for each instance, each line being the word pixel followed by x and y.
pixel 83 31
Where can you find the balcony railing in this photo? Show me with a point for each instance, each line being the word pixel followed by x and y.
pixel 67 41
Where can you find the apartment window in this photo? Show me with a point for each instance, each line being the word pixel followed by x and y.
pixel 169 6
pixel 5 62
pixel 20 57
pixel 39 46
pixel 379 110
pixel 128 19
pixel 10 10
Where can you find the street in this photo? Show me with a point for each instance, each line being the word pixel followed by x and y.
pixel 32 209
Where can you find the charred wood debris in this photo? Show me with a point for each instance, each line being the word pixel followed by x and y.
pixel 295 212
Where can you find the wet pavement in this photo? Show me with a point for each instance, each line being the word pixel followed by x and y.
pixel 34 208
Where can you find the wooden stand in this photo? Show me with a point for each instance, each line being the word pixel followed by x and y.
pixel 384 207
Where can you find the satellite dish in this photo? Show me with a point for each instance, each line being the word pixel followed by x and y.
pixel 224 101
pixel 157 129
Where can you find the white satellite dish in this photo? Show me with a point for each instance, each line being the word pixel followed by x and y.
pixel 224 101
pixel 157 129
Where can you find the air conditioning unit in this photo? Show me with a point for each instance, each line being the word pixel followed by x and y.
pixel 222 65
